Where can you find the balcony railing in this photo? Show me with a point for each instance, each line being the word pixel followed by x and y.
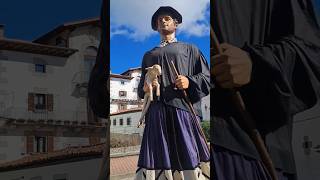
pixel 61 115
pixel 126 100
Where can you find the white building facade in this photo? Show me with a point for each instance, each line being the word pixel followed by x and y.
pixel 123 90
pixel 41 76
pixel 125 122
pixel 43 90
pixel 306 143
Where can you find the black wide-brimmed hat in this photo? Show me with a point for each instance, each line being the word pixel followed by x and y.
pixel 165 10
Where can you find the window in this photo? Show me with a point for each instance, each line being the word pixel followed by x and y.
pixel 129 121
pixel 41 144
pixel 40 101
pixel 41 68
pixel 121 122
pixel 122 82
pixel 114 122
pixel 122 107
pixel 122 93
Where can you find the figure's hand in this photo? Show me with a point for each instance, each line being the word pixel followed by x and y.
pixel 140 124
pixel 146 87
pixel 182 82
pixel 232 68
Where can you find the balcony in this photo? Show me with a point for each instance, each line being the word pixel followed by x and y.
pixel 126 101
pixel 41 114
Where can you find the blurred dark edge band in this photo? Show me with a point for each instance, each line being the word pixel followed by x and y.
pixel 98 87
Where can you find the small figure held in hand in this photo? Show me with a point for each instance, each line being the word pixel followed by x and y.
pixel 151 81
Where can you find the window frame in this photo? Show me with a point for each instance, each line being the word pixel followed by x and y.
pixel 37 100
pixel 41 148
pixel 129 120
pixel 42 66
pixel 124 94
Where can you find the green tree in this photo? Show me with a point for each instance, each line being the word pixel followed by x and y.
pixel 206 129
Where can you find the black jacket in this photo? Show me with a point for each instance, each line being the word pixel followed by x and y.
pixel 98 87
pixel 189 62
pixel 283 40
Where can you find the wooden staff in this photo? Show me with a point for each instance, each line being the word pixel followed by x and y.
pixel 194 119
pixel 247 121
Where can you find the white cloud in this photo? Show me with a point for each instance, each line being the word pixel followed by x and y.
pixel 133 17
pixel 119 32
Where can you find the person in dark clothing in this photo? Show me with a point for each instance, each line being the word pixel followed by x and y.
pixel 172 146
pixel 98 88
pixel 271 54
pixel 98 91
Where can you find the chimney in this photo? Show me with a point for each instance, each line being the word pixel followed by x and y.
pixel 1 31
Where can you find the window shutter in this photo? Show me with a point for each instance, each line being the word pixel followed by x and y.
pixel 29 144
pixel 50 102
pixel 31 102
pixel 50 143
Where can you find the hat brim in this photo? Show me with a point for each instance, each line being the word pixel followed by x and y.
pixel 165 10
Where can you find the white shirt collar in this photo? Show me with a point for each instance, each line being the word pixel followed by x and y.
pixel 166 42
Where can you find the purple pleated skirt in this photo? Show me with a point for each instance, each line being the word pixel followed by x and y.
pixel 171 140
pixel 229 165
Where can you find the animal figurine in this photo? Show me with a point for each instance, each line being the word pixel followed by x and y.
pixel 152 74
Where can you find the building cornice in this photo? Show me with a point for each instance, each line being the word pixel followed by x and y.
pixel 126 111
pixel 138 69
pixel 35 48
pixel 119 76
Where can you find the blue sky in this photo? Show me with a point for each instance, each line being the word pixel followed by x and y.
pixel 131 33
pixel 30 19
pixel 317 9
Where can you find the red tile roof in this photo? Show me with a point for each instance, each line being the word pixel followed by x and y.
pixel 120 76
pixel 119 165
pixel 39 159
pixel 132 110
pixel 130 70
pixel 70 25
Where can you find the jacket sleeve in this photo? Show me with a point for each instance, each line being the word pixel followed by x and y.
pixel 199 82
pixel 284 81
